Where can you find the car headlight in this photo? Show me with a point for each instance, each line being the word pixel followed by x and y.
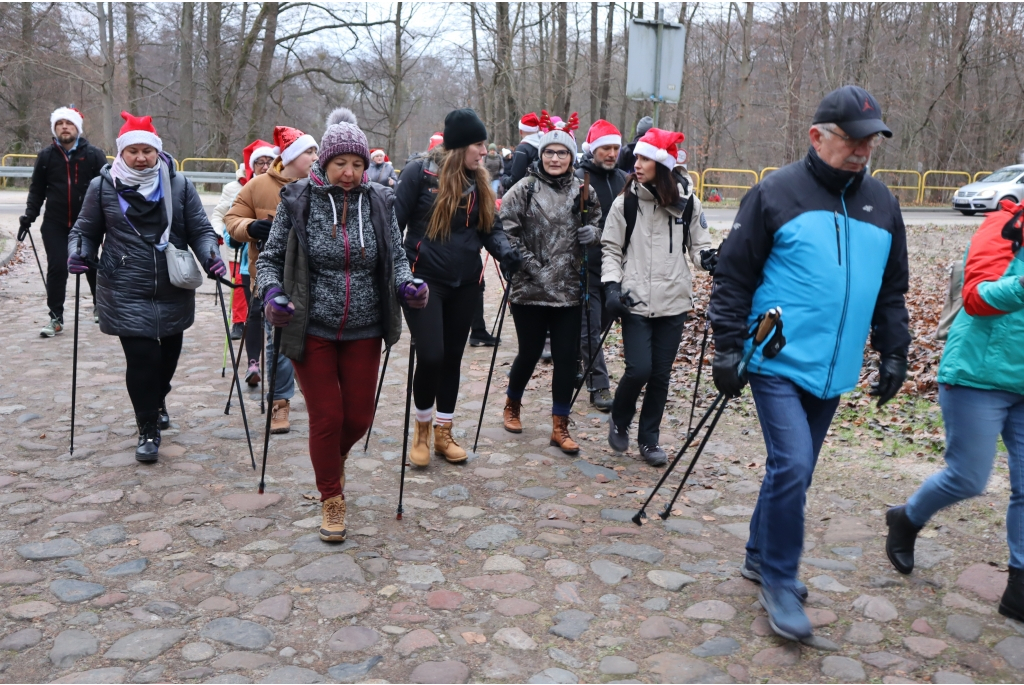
pixel 985 194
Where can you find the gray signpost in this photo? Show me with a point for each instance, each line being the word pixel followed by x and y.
pixel 655 68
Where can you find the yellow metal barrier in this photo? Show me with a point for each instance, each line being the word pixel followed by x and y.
pixel 903 172
pixel 935 172
pixel 979 175
pixel 181 163
pixel 764 172
pixel 13 155
pixel 704 178
pixel 696 182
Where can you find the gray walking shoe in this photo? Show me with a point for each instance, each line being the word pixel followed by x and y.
pixel 51 329
pixel 602 399
pixel 653 454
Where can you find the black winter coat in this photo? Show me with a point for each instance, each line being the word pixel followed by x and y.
pixel 61 180
pixel 607 183
pixel 455 261
pixel 522 159
pixel 627 160
pixel 133 291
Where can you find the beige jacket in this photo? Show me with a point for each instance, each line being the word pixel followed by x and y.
pixel 654 269
pixel 258 199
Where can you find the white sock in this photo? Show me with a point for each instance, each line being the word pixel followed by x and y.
pixel 424 415
pixel 444 418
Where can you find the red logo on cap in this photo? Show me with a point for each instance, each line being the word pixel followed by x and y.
pixel 867 106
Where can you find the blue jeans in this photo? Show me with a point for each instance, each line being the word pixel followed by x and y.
pixel 285 380
pixel 973 419
pixel 794 424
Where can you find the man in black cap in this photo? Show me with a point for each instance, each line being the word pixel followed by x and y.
pixel 825 242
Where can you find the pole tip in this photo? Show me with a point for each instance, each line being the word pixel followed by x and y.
pixel 261 487
pixel 639 517
pixel 665 514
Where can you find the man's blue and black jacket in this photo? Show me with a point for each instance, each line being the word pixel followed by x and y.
pixel 830 248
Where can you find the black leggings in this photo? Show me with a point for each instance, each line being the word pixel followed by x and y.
pixel 151 365
pixel 441 330
pixel 55 242
pixel 533 323
pixel 254 324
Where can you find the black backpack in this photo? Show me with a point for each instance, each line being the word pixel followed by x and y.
pixel 631 206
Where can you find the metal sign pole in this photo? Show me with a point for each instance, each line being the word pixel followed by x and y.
pixel 656 96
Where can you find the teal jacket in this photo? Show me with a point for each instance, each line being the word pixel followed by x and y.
pixel 985 348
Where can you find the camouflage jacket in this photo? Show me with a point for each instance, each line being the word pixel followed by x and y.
pixel 541 215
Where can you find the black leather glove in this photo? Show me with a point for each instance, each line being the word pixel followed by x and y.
pixel 709 260
pixel 511 263
pixel 892 371
pixel 613 300
pixel 260 229
pixel 24 223
pixel 725 371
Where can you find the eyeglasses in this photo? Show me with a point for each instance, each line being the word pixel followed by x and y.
pixel 552 154
pixel 871 141
pixel 262 161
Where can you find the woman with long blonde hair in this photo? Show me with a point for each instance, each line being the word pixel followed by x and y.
pixel 445 204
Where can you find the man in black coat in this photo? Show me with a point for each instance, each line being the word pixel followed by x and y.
pixel 61 176
pixel 526 153
pixel 598 167
pixel 626 157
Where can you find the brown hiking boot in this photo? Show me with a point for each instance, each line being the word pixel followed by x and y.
pixel 445 445
pixel 560 437
pixel 512 422
pixel 419 454
pixel 279 418
pixel 332 526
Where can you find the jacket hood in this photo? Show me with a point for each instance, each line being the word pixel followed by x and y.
pixel 533 139
pixel 834 180
pixel 559 182
pixel 645 193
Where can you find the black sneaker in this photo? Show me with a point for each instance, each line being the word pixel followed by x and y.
pixel 618 438
pixel 602 400
pixel 482 339
pixel 653 454
pixel 1012 603
pixel 163 420
pixel 149 443
pixel 236 331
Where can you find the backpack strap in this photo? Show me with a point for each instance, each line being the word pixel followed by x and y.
pixel 531 188
pixel 430 172
pixel 630 207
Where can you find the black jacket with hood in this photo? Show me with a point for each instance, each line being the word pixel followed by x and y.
pixel 62 179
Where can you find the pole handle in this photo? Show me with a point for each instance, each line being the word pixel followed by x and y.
pixel 764 329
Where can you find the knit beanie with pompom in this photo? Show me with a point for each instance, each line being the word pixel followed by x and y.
pixel 343 136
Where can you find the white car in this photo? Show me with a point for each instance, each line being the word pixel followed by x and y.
pixel 984 195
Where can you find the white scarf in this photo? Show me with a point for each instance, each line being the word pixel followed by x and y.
pixel 148 180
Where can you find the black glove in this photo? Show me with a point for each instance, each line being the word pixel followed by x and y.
pixel 512 262
pixel 709 260
pixel 892 371
pixel 260 229
pixel 24 223
pixel 613 300
pixel 725 369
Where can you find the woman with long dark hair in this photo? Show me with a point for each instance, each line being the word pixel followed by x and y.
pixel 446 204
pixel 648 259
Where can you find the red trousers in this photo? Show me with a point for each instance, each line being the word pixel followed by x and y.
pixel 338 381
pixel 239 305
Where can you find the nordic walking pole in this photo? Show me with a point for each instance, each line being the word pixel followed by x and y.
pixel 667 511
pixel 283 301
pixel 504 286
pixel 263 366
pixel 238 360
pixel 38 263
pixel 700 365
pixel 408 410
pixel 588 376
pixel 494 357
pixel 227 332
pixel 376 401
pixel 74 353
pixel 593 360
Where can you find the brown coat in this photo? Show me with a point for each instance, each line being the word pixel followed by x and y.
pixel 258 199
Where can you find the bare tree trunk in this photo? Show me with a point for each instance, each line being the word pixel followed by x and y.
pixel 481 96
pixel 262 90
pixel 743 88
pixel 606 68
pixel 794 125
pixel 23 96
pixel 105 18
pixel 187 88
pixel 594 67
pixel 562 94
pixel 504 98
pixel 545 80
pixel 131 49
pixel 395 113
pixel 624 111
pixel 215 79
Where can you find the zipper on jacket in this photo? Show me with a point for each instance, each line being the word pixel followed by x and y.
pixel 156 285
pixel 846 298
pixel 67 164
pixel 839 251
pixel 670 234
pixel 348 278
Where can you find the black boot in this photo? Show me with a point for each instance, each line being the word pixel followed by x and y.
pixel 899 545
pixel 149 442
pixel 163 419
pixel 1012 603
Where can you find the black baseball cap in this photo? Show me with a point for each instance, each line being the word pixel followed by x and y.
pixel 854 110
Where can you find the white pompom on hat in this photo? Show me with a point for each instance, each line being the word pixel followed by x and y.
pixel 660 145
pixel 601 133
pixel 68 114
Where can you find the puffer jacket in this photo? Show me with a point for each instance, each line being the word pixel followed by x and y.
pixel 339 292
pixel 541 214
pixel 133 292
pixel 984 345
pixel 654 268
pixel 258 199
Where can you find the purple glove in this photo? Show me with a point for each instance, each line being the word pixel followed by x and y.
pixel 77 264
pixel 415 295
pixel 277 314
pixel 215 265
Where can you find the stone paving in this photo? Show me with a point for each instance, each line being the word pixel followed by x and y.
pixel 519 566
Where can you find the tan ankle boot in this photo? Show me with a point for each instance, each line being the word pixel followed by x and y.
pixel 560 437
pixel 419 453
pixel 279 418
pixel 332 525
pixel 445 445
pixel 513 424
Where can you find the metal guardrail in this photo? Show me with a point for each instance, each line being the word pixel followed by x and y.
pixel 764 172
pixel 704 178
pixel 696 182
pixel 980 174
pixel 901 172
pixel 221 160
pixel 7 172
pixel 925 187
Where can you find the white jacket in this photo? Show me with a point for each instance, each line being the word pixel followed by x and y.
pixel 654 269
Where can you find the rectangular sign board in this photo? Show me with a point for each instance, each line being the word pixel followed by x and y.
pixel 643 49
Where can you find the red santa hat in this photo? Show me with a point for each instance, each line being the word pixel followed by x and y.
pixel 68 114
pixel 290 142
pixel 601 133
pixel 435 140
pixel 253 151
pixel 137 131
pixel 660 146
pixel 375 150
pixel 529 123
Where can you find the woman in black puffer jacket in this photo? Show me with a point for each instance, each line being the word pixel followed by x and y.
pixel 127 209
